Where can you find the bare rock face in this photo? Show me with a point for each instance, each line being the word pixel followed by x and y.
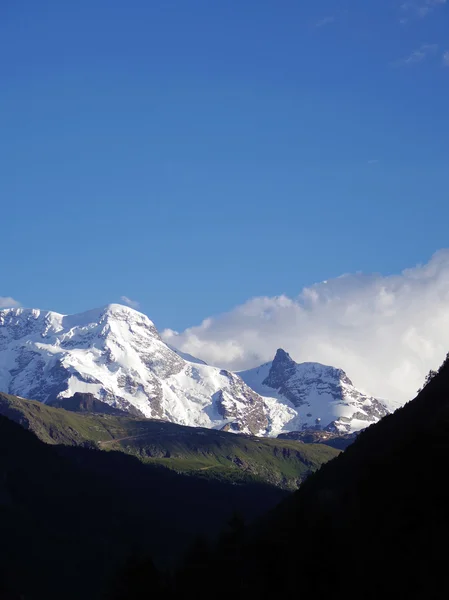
pixel 283 368
pixel 250 415
pixel 87 403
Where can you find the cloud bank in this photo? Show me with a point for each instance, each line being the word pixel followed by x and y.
pixel 420 9
pixel 386 332
pixel 8 302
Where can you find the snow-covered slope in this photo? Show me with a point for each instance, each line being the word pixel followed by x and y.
pixel 116 354
pixel 187 357
pixel 315 396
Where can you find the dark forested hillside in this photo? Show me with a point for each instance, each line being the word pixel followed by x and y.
pixel 71 517
pixel 373 523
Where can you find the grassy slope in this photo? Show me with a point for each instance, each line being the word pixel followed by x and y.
pixel 206 452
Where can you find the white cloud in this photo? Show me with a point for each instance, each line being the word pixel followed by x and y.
pixel 325 21
pixel 446 58
pixel 419 9
pixel 129 302
pixel 417 56
pixel 8 302
pixel 385 332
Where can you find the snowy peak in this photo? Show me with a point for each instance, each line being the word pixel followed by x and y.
pixel 18 322
pixel 295 380
pixel 110 318
pixel 116 354
pixel 320 396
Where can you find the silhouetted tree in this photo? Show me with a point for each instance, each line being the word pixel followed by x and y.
pixel 139 579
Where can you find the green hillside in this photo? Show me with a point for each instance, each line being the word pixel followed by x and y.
pixel 205 452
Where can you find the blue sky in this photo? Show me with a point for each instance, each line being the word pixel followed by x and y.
pixel 192 155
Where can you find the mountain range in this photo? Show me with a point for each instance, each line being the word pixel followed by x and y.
pixel 91 512
pixel 116 354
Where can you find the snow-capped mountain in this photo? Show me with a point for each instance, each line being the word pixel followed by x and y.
pixel 317 396
pixel 116 354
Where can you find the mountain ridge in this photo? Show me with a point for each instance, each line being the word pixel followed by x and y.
pixel 116 354
pixel 322 397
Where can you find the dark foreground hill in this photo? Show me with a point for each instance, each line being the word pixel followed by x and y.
pixel 70 517
pixel 371 524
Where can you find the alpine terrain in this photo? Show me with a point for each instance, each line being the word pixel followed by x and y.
pixel 371 524
pixel 320 397
pixel 116 354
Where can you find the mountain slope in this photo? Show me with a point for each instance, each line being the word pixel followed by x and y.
pixel 116 354
pixel 373 523
pixel 209 453
pixel 71 517
pixel 316 396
